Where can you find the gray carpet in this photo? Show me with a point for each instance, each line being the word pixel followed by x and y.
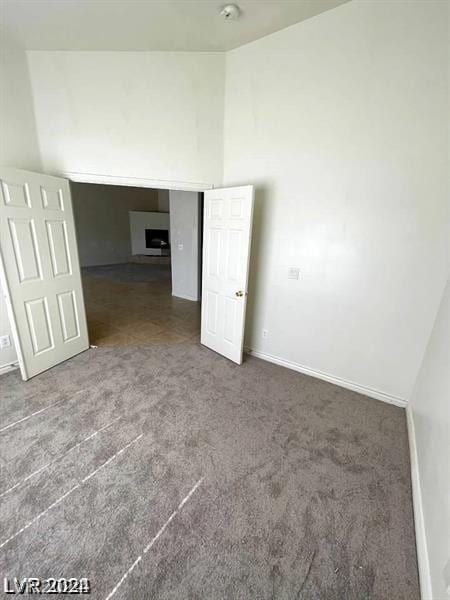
pixel 303 488
pixel 130 272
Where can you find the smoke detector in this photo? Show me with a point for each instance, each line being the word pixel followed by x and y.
pixel 230 12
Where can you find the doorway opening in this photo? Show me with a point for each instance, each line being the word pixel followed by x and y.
pixel 140 253
pixel 41 278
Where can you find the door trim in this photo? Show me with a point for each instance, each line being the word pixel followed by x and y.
pixel 188 186
pixel 419 517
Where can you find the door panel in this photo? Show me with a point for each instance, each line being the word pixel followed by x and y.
pixel 230 312
pixel 211 312
pixel 68 316
pixel 52 199
pixel 58 245
pixel 23 237
pixel 16 194
pixel 214 252
pixel 41 269
pixel 226 250
pixel 39 325
pixel 234 267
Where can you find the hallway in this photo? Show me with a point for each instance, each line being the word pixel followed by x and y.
pixel 131 304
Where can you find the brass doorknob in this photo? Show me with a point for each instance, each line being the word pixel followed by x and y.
pixel 239 294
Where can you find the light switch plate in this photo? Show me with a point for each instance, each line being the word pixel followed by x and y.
pixel 293 273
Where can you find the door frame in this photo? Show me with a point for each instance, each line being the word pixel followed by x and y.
pixel 158 184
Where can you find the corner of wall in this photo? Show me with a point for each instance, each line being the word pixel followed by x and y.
pixel 428 432
pixel 19 145
pixel 419 519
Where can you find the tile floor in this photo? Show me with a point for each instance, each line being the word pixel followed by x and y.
pixel 130 313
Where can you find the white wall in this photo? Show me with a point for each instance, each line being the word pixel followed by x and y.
pixel 163 201
pixel 341 122
pixel 429 412
pixel 18 138
pixel 102 220
pixel 184 241
pixel 154 115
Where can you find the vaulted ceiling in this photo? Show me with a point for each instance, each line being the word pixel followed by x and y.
pixel 166 25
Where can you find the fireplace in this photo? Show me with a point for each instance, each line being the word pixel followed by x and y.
pixel 157 238
pixel 150 233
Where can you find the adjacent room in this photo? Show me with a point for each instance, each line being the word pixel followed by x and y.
pixel 140 259
pixel 225 299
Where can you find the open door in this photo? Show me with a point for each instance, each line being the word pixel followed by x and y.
pixel 226 251
pixel 41 272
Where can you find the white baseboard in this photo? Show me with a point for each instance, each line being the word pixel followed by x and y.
pixel 421 540
pixel 350 385
pixel 185 297
pixel 8 368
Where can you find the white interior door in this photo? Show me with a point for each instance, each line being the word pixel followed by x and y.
pixel 226 252
pixel 40 269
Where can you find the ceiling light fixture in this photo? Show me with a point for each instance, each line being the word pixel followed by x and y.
pixel 230 12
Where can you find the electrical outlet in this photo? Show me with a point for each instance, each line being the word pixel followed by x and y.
pixel 265 334
pixel 293 273
pixel 5 341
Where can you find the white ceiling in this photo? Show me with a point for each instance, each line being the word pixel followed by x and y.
pixel 189 25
